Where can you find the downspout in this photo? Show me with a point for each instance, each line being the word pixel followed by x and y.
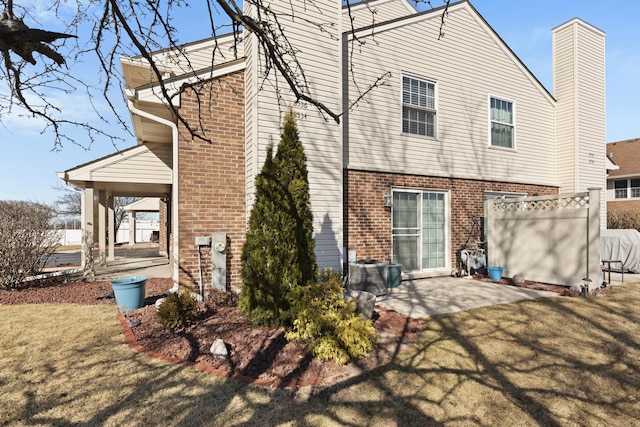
pixel 174 188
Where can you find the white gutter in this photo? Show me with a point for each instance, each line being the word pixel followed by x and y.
pixel 174 187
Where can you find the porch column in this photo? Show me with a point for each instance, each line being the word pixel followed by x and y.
pixel 112 232
pixel 132 228
pixel 86 252
pixel 102 227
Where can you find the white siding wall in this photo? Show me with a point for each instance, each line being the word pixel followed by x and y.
pixel 579 87
pixel 563 90
pixel 251 80
pixel 467 65
pixel 149 166
pixel 375 12
pixel 201 55
pixel 319 55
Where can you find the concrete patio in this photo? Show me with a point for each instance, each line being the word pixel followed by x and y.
pixel 438 295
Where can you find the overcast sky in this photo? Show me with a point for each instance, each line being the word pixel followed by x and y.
pixel 29 166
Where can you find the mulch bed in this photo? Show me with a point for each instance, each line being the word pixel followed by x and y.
pixel 257 355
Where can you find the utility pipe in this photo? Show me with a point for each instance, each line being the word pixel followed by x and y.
pixel 174 187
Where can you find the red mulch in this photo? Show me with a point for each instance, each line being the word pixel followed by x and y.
pixel 256 354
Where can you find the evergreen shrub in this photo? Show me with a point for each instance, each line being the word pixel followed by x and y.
pixel 278 254
pixel 328 324
pixel 178 310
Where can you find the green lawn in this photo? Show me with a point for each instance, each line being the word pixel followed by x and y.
pixel 552 362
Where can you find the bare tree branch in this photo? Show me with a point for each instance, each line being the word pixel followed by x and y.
pixel 144 30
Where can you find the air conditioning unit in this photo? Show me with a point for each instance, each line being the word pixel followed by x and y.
pixel 373 276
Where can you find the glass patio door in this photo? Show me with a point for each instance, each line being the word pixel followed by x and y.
pixel 419 230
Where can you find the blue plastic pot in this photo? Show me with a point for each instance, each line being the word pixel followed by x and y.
pixel 129 292
pixel 495 273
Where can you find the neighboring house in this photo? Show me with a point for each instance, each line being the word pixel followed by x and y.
pixel 458 120
pixel 623 178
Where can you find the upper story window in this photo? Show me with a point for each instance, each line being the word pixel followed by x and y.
pixel 627 188
pixel 418 107
pixel 501 114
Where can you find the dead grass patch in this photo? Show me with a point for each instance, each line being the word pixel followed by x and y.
pixel 558 361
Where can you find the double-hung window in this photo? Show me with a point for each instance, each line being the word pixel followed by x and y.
pixel 627 188
pixel 418 107
pixel 501 114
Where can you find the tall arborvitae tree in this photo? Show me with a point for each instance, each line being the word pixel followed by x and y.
pixel 279 251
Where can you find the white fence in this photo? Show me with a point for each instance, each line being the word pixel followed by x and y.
pixel 144 230
pixel 550 239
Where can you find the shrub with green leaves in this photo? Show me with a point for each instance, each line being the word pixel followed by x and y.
pixel 178 310
pixel 328 324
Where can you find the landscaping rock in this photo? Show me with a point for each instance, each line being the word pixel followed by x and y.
pixel 219 349
pixel 518 279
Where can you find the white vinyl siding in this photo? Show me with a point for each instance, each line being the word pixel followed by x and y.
pixel 319 56
pixel 150 163
pixel 375 12
pixel 579 87
pixel 502 122
pixel 563 88
pixel 467 64
pixel 418 106
pixel 201 55
pixel 146 163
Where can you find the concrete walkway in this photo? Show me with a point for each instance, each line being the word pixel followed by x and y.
pixel 150 266
pixel 157 266
pixel 438 295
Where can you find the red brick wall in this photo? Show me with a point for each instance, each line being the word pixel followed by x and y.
pixel 165 229
pixel 211 187
pixel 368 223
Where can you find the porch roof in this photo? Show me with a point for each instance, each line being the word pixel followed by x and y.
pixel 141 171
pixel 146 204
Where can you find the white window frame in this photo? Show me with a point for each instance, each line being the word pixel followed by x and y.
pixel 491 121
pixel 628 189
pixel 427 110
pixel 447 227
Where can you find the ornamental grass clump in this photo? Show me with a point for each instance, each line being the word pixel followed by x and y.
pixel 178 310
pixel 328 324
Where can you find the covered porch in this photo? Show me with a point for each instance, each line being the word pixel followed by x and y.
pixel 142 171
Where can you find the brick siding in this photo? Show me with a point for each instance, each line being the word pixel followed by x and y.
pixel 367 223
pixel 165 229
pixel 211 187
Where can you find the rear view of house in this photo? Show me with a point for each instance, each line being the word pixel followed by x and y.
pixel 432 127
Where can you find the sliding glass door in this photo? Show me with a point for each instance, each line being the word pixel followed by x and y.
pixel 419 230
